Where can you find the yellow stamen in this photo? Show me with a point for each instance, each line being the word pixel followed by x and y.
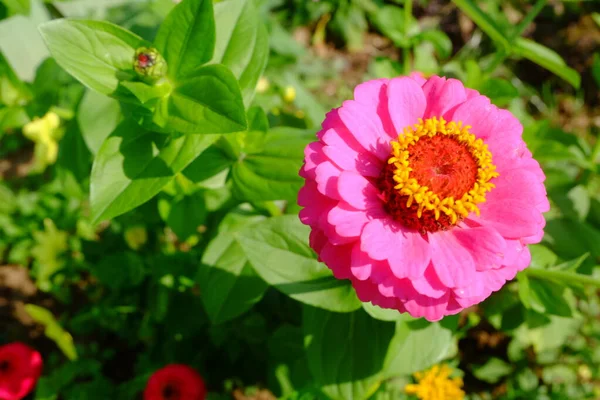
pixel 436 384
pixel 422 195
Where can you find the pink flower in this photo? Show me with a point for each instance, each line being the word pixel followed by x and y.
pixel 423 195
pixel 20 368
pixel 175 382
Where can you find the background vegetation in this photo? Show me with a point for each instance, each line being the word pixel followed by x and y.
pixel 123 249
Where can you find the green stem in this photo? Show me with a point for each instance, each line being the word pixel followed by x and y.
pixel 595 156
pixel 501 55
pixel 406 50
pixel 537 7
pixel 562 276
pixel 498 59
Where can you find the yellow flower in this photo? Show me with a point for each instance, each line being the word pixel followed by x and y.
pixel 436 384
pixel 136 237
pixel 45 133
pixel 290 94
pixel 262 85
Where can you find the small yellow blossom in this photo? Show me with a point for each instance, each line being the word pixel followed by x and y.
pixel 290 94
pixel 136 237
pixel 45 133
pixel 436 384
pixel 262 85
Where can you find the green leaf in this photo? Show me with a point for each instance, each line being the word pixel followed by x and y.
pixel 219 157
pixel 551 335
pixel 227 281
pixel 390 21
pixel 130 168
pixel 186 38
pixel 207 102
pixel 24 60
pixel 97 53
pixel 500 91
pixel 242 43
pixel 484 22
pixel 120 270
pixel 98 116
pixel 542 256
pixel 572 265
pixel 383 314
pixel 416 346
pixel 345 352
pixel 50 244
pixel 269 171
pixel 186 215
pixel 493 370
pixel 351 23
pixel 18 6
pixel 12 117
pixel 13 92
pixel 53 330
pixel 208 164
pixel 282 241
pixel 547 58
pixel 547 297
pixel 441 42
pixel 596 68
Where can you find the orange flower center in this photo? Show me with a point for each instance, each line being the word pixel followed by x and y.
pixel 436 175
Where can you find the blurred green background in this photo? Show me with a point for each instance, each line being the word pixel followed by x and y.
pixel 109 303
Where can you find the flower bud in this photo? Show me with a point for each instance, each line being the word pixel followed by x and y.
pixel 149 64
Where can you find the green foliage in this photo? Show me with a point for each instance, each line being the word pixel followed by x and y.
pixel 166 230
pixel 283 241
pixel 186 38
pixel 53 330
pixel 76 45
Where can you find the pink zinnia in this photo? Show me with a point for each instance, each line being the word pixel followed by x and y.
pixel 20 369
pixel 175 382
pixel 423 194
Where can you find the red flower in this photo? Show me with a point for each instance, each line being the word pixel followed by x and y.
pixel 20 368
pixel 175 382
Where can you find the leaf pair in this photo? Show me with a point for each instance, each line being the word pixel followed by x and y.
pixel 133 163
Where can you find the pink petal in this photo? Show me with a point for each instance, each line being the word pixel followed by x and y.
pixel 406 102
pixel 326 176
pixel 361 264
pixel 453 263
pixel 406 252
pixel 495 279
pixel 313 156
pixel 520 184
pixel 471 93
pixel 373 96
pixel 429 284
pixel 349 156
pixel 485 245
pixel 524 260
pixel 442 96
pixel 513 251
pixel 476 288
pixel 337 258
pixel 365 290
pixel 316 240
pixel 512 218
pixel 479 113
pixel 358 191
pixel 427 307
pixel 348 221
pixel 366 128
pixel 418 77
pixel 314 203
